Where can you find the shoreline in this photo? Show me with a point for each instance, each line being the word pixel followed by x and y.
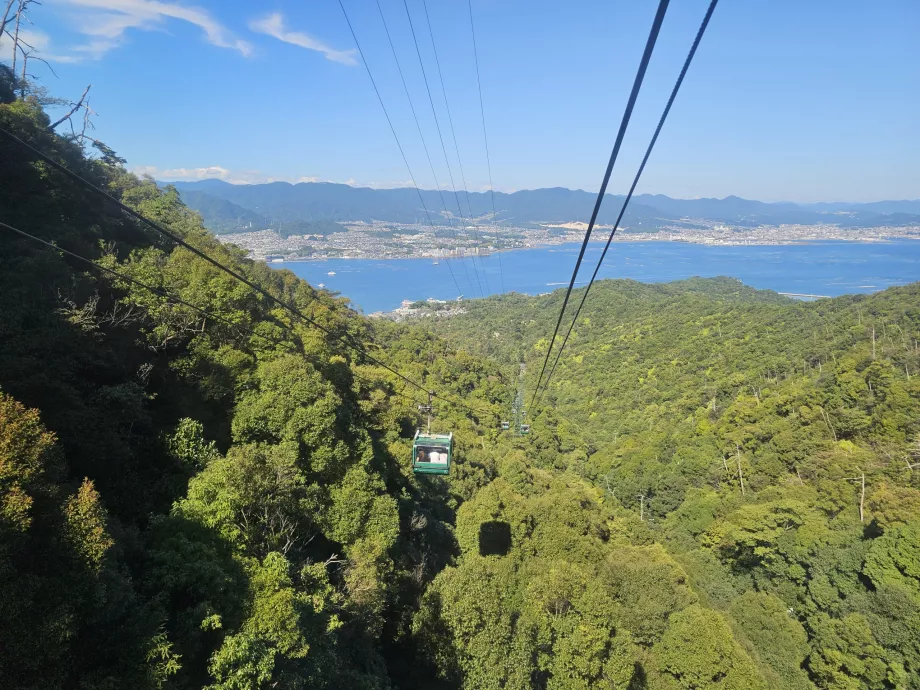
pixel 821 267
pixel 789 243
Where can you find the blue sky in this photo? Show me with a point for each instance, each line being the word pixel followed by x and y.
pixel 803 101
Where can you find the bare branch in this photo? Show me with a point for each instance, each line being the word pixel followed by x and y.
pixel 75 108
pixel 32 56
pixel 6 15
pixel 22 6
pixel 334 558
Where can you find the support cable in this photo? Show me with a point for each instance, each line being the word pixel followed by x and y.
pixel 485 138
pixel 627 113
pixel 162 292
pixel 453 133
pixel 438 127
pixel 396 137
pixel 422 137
pixel 346 339
pixel 632 189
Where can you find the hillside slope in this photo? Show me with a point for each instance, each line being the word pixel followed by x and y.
pixel 743 426
pixel 188 501
pixel 227 503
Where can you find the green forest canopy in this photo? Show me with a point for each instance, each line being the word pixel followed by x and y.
pixel 186 503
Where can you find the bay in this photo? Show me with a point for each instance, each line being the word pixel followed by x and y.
pixel 812 268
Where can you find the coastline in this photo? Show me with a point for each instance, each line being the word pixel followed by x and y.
pixel 817 267
pixel 619 238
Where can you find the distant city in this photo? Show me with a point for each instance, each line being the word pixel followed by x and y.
pixel 382 240
pixel 285 222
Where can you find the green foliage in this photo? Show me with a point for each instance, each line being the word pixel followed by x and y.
pixel 62 593
pixel 846 656
pixel 189 502
pixel 85 526
pixel 894 558
pixel 698 652
pixel 189 447
pixel 678 393
pixel 651 586
pixel 775 640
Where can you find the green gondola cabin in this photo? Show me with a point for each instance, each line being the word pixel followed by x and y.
pixel 506 426
pixel 525 428
pixel 432 453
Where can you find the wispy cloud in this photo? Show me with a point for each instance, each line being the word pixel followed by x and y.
pixel 217 172
pixel 273 25
pixel 209 172
pixel 106 22
pixel 39 42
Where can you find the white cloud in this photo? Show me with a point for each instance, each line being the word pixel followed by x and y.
pixel 273 25
pixel 40 42
pixel 106 21
pixel 378 184
pixel 210 172
pixel 217 172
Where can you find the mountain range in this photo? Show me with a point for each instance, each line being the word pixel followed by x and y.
pixel 320 206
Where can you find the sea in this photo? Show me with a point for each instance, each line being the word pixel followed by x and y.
pixel 806 270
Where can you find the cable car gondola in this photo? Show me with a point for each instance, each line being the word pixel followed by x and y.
pixel 506 426
pixel 431 453
pixel 525 429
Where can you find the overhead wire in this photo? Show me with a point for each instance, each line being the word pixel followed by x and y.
pixel 632 189
pixel 453 133
pixel 485 137
pixel 421 136
pixel 627 114
pixel 161 292
pixel 395 136
pixel 345 339
pixel 438 127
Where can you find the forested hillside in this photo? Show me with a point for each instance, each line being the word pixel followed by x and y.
pixel 771 448
pixel 224 499
pixel 190 502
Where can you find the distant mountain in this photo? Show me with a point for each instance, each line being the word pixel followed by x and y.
pixel 282 204
pixel 221 215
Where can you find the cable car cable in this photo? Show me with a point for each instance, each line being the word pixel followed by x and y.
pixel 162 292
pixel 627 113
pixel 396 137
pixel 453 133
pixel 450 118
pixel 178 240
pixel 121 276
pixel 433 457
pixel 346 339
pixel 485 136
pixel 421 136
pixel 438 127
pixel 632 189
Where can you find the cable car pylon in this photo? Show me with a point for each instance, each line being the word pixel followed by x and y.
pixel 517 409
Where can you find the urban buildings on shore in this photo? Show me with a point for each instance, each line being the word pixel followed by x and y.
pixel 381 240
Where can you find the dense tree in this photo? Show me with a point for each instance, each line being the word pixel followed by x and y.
pixel 698 652
pixel 720 490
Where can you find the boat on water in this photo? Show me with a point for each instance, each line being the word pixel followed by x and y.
pixel 331 273
pixel 321 286
pixel 434 263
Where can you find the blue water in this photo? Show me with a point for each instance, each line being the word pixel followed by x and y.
pixel 820 268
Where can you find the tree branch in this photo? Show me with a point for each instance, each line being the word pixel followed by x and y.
pixel 6 15
pixel 75 108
